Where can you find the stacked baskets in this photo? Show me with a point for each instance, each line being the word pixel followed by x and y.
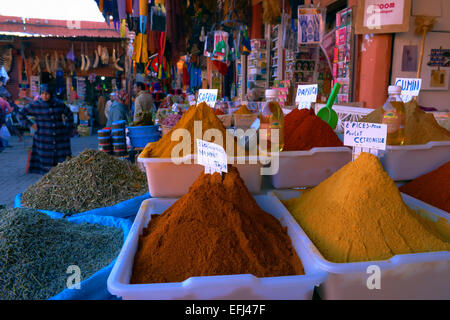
pixel 104 141
pixel 118 138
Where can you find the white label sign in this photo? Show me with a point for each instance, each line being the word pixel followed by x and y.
pixel 212 156
pixel 207 95
pixel 365 135
pixel 410 87
pixel 306 93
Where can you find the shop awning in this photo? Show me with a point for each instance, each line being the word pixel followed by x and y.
pixel 24 27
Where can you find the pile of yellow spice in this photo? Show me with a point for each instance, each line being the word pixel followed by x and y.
pixel 358 215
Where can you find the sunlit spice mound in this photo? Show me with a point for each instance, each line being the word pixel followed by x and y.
pixel 358 215
pixel 163 147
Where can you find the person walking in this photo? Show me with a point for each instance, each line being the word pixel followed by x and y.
pixel 54 125
pixel 118 110
pixel 143 101
pixel 109 104
pixel 101 105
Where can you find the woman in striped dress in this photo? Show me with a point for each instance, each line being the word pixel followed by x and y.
pixel 54 124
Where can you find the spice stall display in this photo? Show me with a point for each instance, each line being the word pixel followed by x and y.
pixel 89 181
pixel 217 229
pixel 432 187
pixel 426 144
pixel 358 215
pixel 36 251
pixel 312 151
pixel 171 165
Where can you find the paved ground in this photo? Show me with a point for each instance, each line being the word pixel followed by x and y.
pixel 13 179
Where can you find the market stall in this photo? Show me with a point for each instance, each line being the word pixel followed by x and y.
pixel 291 184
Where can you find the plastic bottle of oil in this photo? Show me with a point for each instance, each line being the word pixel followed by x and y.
pixel 271 118
pixel 394 116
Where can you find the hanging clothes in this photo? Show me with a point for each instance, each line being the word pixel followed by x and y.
pixel 175 28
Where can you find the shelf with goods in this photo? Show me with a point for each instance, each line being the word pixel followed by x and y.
pixel 257 64
pixel 276 54
pixel 342 54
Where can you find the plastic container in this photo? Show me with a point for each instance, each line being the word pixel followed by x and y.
pixel 394 116
pixel 105 147
pixel 143 131
pixel 141 142
pixel 118 132
pixel 104 133
pixel 167 179
pixel 119 124
pixel 244 121
pixel 407 276
pixel 226 119
pixel 141 135
pixel 411 161
pixel 272 120
pixel 241 286
pixel 309 168
pixel 117 139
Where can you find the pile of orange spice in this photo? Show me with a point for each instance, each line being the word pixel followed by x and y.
pixel 217 228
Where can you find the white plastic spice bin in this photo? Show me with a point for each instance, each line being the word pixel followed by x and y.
pixel 411 161
pixel 238 287
pixel 406 276
pixel 309 168
pixel 167 179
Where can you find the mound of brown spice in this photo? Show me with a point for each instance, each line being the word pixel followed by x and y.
pixel 217 228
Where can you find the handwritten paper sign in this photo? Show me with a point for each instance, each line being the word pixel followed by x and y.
pixel 207 95
pixel 306 94
pixel 410 87
pixel 212 156
pixel 365 135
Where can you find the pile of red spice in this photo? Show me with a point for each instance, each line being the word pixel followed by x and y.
pixel 432 187
pixel 217 228
pixel 303 130
pixel 218 112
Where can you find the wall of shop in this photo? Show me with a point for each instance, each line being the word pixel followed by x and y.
pixel 439 99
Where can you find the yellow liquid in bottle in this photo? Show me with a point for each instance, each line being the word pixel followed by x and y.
pixel 271 118
pixel 394 118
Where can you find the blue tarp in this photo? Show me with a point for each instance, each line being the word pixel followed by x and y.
pixel 126 209
pixel 95 287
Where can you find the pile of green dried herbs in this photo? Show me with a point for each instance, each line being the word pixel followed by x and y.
pixel 91 180
pixel 36 251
